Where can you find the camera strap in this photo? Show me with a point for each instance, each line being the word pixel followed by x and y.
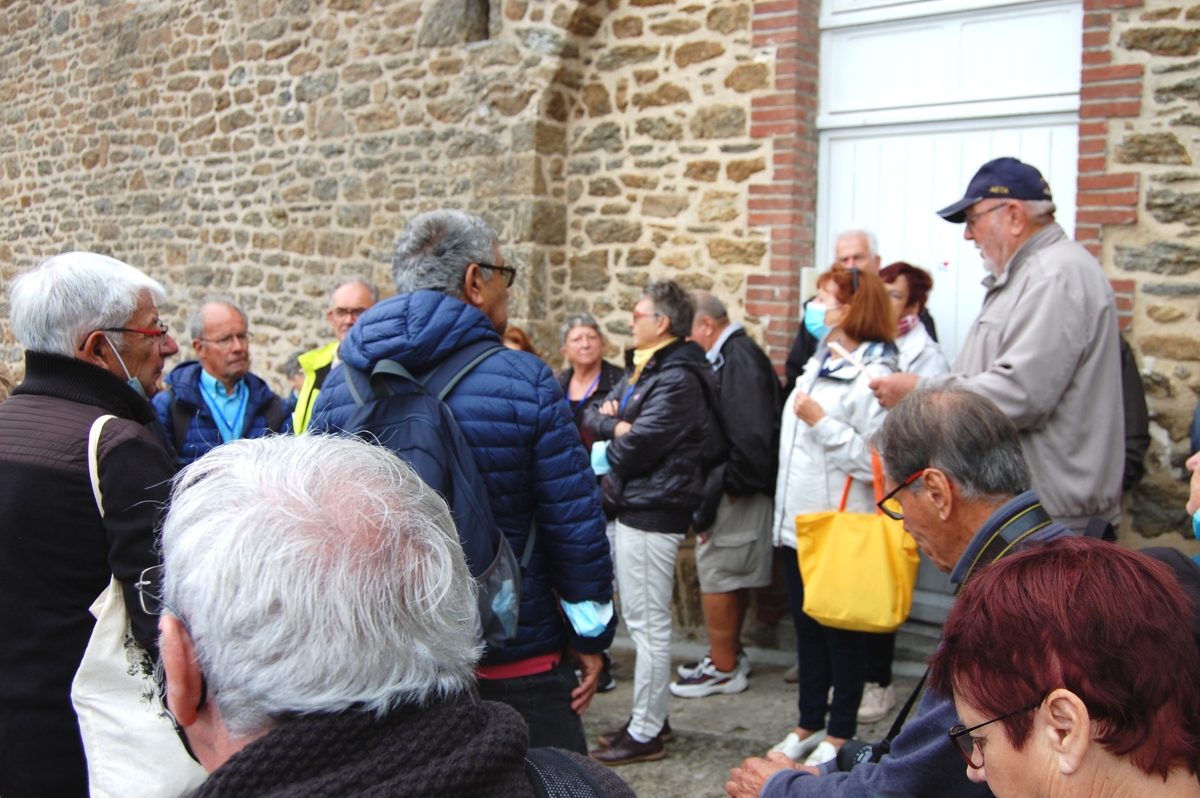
pixel 885 745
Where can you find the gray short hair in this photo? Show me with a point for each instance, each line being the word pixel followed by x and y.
pixel 872 240
pixel 579 320
pixel 709 305
pixel 196 322
pixel 1040 212
pixel 317 573
pixel 55 306
pixel 436 248
pixel 672 301
pixel 371 288
pixel 959 432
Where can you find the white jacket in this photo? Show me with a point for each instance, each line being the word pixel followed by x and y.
pixel 920 354
pixel 814 461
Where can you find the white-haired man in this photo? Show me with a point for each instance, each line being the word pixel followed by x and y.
pixel 318 630
pixel 1044 347
pixel 854 249
pixel 94 347
pixel 348 299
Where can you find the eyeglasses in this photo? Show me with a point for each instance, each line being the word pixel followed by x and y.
pixel 882 504
pixel 509 272
pixel 967 745
pixel 970 218
pixel 226 341
pixel 637 316
pixel 149 588
pixel 158 332
pixel 341 314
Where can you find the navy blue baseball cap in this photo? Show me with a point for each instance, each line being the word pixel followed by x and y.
pixel 1003 178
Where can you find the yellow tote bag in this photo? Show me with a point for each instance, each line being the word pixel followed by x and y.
pixel 859 570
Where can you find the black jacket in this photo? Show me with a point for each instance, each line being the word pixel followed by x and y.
pixel 657 476
pixel 610 375
pixel 805 346
pixel 57 554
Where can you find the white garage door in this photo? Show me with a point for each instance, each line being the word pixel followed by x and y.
pixel 915 97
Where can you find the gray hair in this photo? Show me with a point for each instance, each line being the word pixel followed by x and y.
pixel 317 573
pixel 292 366
pixel 196 322
pixel 1040 212
pixel 872 240
pixel 436 248
pixel 579 320
pixel 709 305
pixel 672 301
pixel 55 306
pixel 371 288
pixel 958 432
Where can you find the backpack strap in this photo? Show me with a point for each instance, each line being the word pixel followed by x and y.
pixel 272 417
pixel 529 541
pixel 181 419
pixel 445 378
pixel 553 774
pixel 380 386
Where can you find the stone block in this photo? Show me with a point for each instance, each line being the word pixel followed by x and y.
pixel 627 27
pixel 727 19
pixel 314 87
pixel 676 260
pixel 1174 347
pixel 1163 41
pixel 727 251
pixel 675 27
pixel 613 231
pixel 472 144
pixel 624 55
pixel 1159 509
pixel 719 206
pixel 584 22
pixel 595 99
pixel 664 206
pixel 740 170
pixel 695 281
pixel 1157 386
pixel 1184 90
pixel 639 258
pixel 749 77
pixel 1165 314
pixel 450 22
pixel 267 30
pixel 603 187
pixel 718 122
pixel 300 240
pixel 1159 257
pixel 205 127
pixel 303 63
pixel 548 42
pixel 358 72
pixel 508 101
pixel 354 215
pixel 640 181
pixel 1152 148
pixel 237 120
pixel 666 94
pixel 451 110
pixel 606 136
pixel 541 222
pixel 589 272
pixel 660 128
pixel 696 52
pixel 380 117
pixel 281 50
pixel 514 176
pixel 336 245
pixel 704 171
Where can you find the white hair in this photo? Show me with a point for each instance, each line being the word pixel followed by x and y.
pixel 436 249
pixel 316 573
pixel 872 241
pixel 197 325
pixel 1040 212
pixel 55 306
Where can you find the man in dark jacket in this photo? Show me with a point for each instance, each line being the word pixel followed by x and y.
pixel 733 554
pixel 453 292
pixel 656 420
pixel 94 347
pixel 215 399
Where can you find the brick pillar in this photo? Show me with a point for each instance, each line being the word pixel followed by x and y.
pixel 787 204
pixel 1109 91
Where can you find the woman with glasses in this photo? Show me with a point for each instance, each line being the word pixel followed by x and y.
pixel 826 423
pixel 1075 672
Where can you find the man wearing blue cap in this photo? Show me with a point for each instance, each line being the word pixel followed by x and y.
pixel 1045 345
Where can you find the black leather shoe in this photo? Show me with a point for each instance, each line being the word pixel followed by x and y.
pixel 625 750
pixel 608 738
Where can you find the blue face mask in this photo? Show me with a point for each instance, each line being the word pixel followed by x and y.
pixel 1196 524
pixel 132 381
pixel 814 320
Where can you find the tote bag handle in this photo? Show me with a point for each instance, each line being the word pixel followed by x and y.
pixel 877 471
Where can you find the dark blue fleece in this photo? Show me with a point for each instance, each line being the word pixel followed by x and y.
pixel 511 412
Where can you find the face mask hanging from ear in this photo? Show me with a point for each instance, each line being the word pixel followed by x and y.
pixel 814 320
pixel 132 381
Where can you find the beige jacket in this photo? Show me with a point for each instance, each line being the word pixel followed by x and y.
pixel 1044 348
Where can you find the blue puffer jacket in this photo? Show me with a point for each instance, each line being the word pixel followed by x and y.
pixel 512 414
pixel 202 433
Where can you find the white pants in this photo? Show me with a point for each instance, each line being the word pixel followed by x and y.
pixel 646 576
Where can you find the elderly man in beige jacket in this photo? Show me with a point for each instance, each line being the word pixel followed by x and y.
pixel 1045 345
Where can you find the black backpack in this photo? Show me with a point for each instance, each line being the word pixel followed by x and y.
pixel 418 426
pixel 553 774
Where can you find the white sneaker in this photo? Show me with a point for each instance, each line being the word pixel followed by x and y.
pixel 877 702
pixel 689 669
pixel 794 748
pixel 823 753
pixel 710 681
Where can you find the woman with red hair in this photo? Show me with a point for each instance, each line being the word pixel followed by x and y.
pixel 908 288
pixel 823 440
pixel 1075 673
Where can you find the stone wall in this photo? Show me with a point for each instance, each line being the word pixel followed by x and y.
pixel 1139 206
pixel 262 148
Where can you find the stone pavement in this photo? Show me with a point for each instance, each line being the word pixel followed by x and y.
pixel 716 733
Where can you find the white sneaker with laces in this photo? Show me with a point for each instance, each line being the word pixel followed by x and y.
pixel 794 748
pixel 877 702
pixel 823 753
pixel 710 681
pixel 689 669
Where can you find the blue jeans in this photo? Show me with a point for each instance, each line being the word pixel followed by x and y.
pixel 544 701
